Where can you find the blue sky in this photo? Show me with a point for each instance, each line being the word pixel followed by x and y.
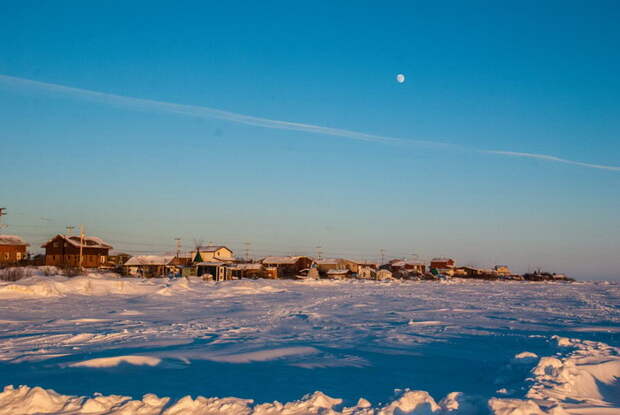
pixel 520 77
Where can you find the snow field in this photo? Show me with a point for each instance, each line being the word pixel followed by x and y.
pixel 496 342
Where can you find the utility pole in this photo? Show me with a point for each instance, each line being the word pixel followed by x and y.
pixel 70 230
pixel 178 244
pixel 2 213
pixel 246 250
pixel 318 252
pixel 81 244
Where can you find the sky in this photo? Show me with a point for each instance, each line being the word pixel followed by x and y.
pixel 284 126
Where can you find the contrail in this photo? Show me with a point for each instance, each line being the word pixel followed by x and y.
pixel 551 158
pixel 205 112
pixel 213 113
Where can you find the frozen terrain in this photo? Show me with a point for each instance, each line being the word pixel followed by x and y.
pixel 105 345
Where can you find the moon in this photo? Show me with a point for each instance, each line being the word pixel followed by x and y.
pixel 400 78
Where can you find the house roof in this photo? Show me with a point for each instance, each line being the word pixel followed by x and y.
pixel 338 271
pixel 89 241
pixel 441 259
pixel 402 263
pixel 328 261
pixel 281 260
pixel 254 266
pixel 12 240
pixel 212 248
pixel 210 263
pixel 149 260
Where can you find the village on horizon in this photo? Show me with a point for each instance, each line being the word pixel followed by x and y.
pixel 74 253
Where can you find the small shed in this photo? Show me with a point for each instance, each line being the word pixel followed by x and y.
pixel 367 273
pixel 384 274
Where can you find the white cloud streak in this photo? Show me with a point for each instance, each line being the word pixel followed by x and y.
pixel 213 113
pixel 204 112
pixel 546 157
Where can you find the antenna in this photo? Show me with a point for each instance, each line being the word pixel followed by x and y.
pixel 70 230
pixel 178 244
pixel 81 243
pixel 382 253
pixel 318 252
pixel 2 213
pixel 246 250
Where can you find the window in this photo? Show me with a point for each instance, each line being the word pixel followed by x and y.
pixel 18 256
pixel 6 256
pixel 102 259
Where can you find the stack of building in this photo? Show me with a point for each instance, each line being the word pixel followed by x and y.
pixel 218 263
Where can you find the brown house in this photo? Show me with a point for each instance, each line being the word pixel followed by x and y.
pixel 287 266
pixel 399 265
pixel 330 264
pixel 64 251
pixel 442 263
pixel 12 249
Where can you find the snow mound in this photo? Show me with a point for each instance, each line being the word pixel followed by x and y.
pixel 39 286
pixel 525 358
pixel 412 402
pixel 57 286
pixel 586 380
pixel 25 400
pixel 117 360
pixel 263 355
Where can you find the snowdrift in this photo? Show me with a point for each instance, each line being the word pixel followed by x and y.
pixel 39 286
pixel 584 382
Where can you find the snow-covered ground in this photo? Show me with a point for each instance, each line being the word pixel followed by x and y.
pixel 102 345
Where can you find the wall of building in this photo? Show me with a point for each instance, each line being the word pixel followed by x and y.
pixel 11 254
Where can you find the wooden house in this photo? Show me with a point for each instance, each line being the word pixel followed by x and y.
pixel 12 249
pixel 400 265
pixel 118 258
pixel 150 266
pixel 287 266
pixel 65 250
pixel 369 264
pixel 444 266
pixel 213 270
pixel 326 265
pixel 468 272
pixel 252 270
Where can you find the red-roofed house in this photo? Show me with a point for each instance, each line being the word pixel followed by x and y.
pixel 443 265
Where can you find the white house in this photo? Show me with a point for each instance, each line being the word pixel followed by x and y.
pixel 212 253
